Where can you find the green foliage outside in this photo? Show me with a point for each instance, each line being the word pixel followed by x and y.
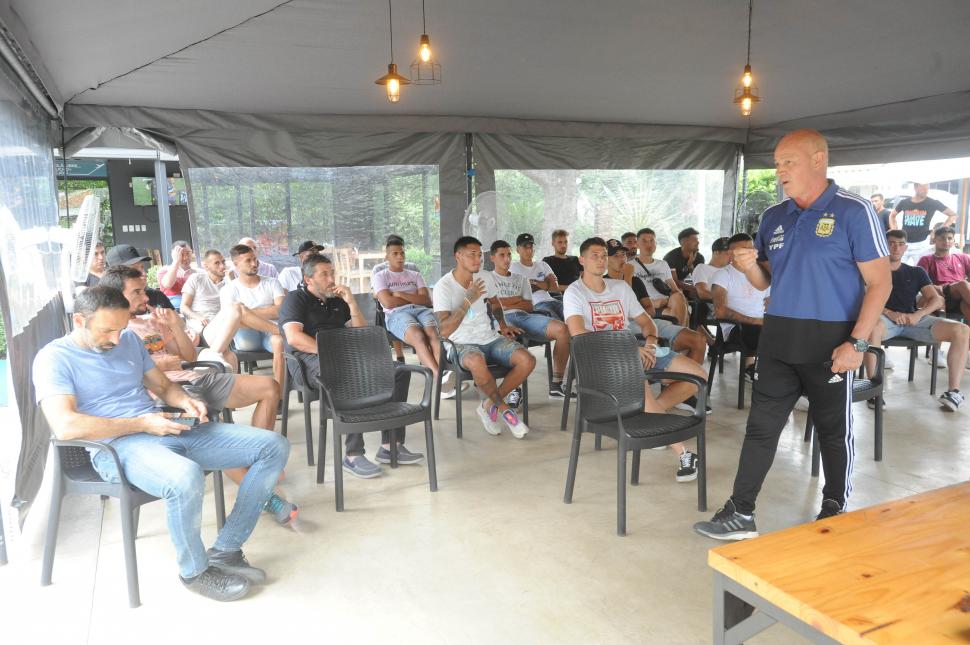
pixel 3 340
pixel 762 192
pixel 153 276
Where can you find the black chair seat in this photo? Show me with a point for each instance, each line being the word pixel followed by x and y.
pixel 862 387
pixel 644 426
pixel 382 412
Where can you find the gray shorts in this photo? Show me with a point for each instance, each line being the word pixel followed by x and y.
pixel 667 330
pixel 921 332
pixel 211 388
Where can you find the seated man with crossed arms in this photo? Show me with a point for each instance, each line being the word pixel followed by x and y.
pixel 94 384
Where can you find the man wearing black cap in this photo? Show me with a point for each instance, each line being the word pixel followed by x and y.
pixel 128 255
pixel 540 275
pixel 683 260
pixel 291 277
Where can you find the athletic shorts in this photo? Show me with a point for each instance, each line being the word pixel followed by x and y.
pixel 921 332
pixel 212 388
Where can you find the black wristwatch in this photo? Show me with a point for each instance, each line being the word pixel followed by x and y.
pixel 858 344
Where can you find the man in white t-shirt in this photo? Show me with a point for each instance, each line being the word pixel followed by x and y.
pixel 291 277
pixel 513 294
pixel 540 275
pixel 407 305
pixel 462 318
pixel 736 299
pixel 594 303
pixel 264 268
pixel 647 270
pixel 204 314
pixel 263 297
pixel 702 274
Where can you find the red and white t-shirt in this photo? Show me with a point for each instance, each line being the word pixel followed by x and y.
pixel 609 310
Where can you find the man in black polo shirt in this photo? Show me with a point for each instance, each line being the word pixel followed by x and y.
pixel 566 267
pixel 319 304
pixel 682 260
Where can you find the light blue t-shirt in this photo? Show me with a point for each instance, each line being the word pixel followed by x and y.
pixel 105 384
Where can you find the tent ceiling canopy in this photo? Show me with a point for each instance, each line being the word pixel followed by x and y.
pixel 627 61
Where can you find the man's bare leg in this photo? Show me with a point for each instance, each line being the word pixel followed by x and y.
pixel 434 342
pixel 220 330
pixel 958 335
pixel 276 342
pixel 875 339
pixel 693 342
pixel 558 332
pixel 475 363
pixel 265 393
pixel 414 335
pixel 677 307
pixel 523 363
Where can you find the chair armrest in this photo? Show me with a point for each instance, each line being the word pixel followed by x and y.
pixel 700 410
pixel 880 355
pixel 325 392
pixel 603 395
pixel 96 445
pixel 214 365
pixel 419 369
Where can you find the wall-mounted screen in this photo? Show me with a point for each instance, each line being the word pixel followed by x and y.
pixel 143 191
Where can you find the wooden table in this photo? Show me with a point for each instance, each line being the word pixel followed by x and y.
pixel 893 573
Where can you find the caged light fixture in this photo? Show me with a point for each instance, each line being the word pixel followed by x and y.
pixel 392 81
pixel 425 70
pixel 746 93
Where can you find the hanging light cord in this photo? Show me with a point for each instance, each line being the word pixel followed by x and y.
pixel 424 19
pixel 750 8
pixel 390 27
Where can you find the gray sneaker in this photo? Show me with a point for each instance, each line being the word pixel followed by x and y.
pixel 235 562
pixel 404 456
pixel 218 585
pixel 361 467
pixel 951 400
pixel 728 524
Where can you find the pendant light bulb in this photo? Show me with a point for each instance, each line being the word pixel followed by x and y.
pixel 393 90
pixel 746 78
pixel 746 106
pixel 424 49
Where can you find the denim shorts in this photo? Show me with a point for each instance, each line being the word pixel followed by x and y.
pixel 535 325
pixel 921 332
pixel 667 330
pixel 663 362
pixel 252 340
pixel 552 307
pixel 398 321
pixel 498 352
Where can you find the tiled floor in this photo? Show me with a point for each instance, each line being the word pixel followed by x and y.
pixel 494 556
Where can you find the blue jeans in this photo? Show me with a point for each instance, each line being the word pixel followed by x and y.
pixel 552 307
pixel 252 340
pixel 171 467
pixel 534 325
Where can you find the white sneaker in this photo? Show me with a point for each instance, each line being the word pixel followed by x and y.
pixel 940 361
pixel 515 424
pixel 889 365
pixel 802 404
pixel 492 426
pixel 449 392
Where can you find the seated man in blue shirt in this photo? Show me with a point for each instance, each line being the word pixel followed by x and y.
pixel 900 317
pixel 93 384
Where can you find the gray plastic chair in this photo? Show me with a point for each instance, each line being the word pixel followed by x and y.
pixel 74 474
pixel 357 384
pixel 308 394
pixel 611 404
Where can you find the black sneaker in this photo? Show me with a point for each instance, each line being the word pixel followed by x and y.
pixel 749 374
pixel 951 400
pixel 558 391
pixel 235 562
pixel 728 524
pixel 871 403
pixel 830 508
pixel 514 398
pixel 218 585
pixel 688 467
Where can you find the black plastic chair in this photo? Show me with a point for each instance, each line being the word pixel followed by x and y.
pixel 913 346
pixel 722 347
pixel 307 394
pixel 249 360
pixel 461 375
pixel 357 385
pixel 613 406
pixel 862 390
pixel 74 474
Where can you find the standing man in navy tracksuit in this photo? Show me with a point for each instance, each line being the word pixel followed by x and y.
pixel 824 253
